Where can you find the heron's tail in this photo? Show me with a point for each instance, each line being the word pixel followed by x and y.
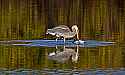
pixel 50 31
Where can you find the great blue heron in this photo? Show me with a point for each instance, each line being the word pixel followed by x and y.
pixel 64 31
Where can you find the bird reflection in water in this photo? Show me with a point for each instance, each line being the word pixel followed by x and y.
pixel 65 55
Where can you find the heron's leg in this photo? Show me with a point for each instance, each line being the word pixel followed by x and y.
pixel 64 40
pixel 56 42
pixel 56 39
pixel 78 36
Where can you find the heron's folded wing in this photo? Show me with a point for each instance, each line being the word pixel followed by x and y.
pixel 62 27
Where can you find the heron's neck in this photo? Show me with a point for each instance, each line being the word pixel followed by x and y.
pixel 74 32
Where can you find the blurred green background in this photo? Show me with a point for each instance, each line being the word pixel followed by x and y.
pixel 29 19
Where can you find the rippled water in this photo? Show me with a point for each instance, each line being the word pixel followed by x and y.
pixel 63 72
pixel 48 57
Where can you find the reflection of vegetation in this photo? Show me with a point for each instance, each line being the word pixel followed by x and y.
pixel 30 57
pixel 29 19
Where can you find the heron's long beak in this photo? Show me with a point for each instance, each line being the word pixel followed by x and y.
pixel 78 34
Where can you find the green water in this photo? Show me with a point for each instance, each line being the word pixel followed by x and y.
pixel 104 57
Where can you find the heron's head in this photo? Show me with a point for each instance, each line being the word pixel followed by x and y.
pixel 75 28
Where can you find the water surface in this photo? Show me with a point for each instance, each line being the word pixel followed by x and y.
pixel 55 58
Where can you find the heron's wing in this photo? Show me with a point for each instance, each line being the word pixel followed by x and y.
pixel 62 28
pixel 50 31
